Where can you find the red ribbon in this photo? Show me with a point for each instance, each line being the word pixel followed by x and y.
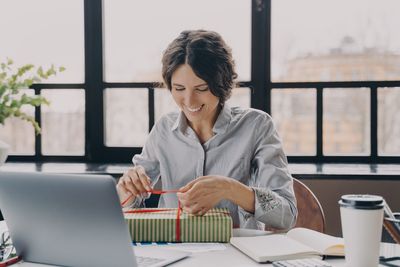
pixel 160 192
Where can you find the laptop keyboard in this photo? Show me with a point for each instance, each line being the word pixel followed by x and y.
pixel 147 261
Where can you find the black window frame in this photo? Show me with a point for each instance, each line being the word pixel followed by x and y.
pixel 260 84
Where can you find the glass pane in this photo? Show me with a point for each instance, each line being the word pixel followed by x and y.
pixel 44 32
pixel 19 134
pixel 335 40
pixel 388 121
pixel 163 103
pixel 346 121
pixel 241 97
pixel 294 113
pixel 137 32
pixel 126 117
pixel 63 122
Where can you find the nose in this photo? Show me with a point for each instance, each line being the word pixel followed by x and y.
pixel 190 98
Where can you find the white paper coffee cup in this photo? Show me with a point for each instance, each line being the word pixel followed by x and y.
pixel 361 217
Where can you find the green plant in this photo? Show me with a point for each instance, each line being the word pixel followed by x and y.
pixel 13 81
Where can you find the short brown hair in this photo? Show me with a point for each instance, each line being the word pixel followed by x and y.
pixel 209 57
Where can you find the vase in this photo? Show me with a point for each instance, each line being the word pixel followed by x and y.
pixel 4 148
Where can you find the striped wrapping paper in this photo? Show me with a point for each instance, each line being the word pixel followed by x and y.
pixel 214 226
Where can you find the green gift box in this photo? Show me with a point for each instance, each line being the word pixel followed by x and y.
pixel 161 225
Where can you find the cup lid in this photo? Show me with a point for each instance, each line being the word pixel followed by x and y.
pixel 362 201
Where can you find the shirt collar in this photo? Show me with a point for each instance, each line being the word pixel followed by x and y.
pixel 223 120
pixel 220 126
pixel 180 122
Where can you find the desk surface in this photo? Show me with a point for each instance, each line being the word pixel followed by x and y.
pixel 232 257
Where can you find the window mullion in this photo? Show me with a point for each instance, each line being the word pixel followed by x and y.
pixel 320 109
pixel 94 141
pixel 260 55
pixel 151 107
pixel 38 137
pixel 374 123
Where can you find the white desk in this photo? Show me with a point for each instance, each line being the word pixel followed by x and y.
pixel 232 257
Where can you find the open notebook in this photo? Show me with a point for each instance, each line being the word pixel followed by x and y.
pixel 296 244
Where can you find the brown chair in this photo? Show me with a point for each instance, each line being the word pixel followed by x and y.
pixel 310 213
pixel 392 226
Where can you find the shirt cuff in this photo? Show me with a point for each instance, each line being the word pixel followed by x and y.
pixel 139 201
pixel 265 201
pixel 268 210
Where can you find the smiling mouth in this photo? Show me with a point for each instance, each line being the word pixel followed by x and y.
pixel 196 109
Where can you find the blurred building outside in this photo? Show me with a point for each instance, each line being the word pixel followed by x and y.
pixel 346 111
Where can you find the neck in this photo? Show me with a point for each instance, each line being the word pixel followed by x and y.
pixel 204 129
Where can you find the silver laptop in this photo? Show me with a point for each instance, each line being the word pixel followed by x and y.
pixel 72 220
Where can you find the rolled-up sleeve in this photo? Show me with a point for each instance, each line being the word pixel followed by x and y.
pixel 275 202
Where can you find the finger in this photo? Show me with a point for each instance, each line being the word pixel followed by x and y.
pixel 136 181
pixel 144 179
pixel 123 194
pixel 202 211
pixel 206 209
pixel 184 203
pixel 130 187
pixel 195 209
pixel 195 192
pixel 184 199
pixel 121 185
pixel 187 206
pixel 121 188
pixel 130 182
pixel 181 198
pixel 188 186
pixel 138 185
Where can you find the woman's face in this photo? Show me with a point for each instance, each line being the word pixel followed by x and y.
pixel 192 95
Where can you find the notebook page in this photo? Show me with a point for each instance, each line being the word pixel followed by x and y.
pixel 323 243
pixel 271 247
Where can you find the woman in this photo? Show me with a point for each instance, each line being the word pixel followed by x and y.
pixel 217 156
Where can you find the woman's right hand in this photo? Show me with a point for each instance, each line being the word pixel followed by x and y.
pixel 133 183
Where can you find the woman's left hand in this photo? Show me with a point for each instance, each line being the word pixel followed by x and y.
pixel 203 193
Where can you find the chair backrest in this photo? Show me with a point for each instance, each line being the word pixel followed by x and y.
pixel 310 213
pixel 393 226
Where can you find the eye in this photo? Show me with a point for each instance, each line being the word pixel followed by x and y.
pixel 179 88
pixel 202 89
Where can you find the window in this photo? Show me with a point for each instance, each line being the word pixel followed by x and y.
pixel 311 42
pixel 137 32
pixel 125 116
pixel 45 32
pixel 42 33
pixel 331 83
pixel 389 121
pixel 349 59
pixel 294 113
pixel 63 122
pixel 346 121
pixel 19 134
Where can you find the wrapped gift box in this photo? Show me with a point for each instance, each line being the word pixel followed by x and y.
pixel 160 225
